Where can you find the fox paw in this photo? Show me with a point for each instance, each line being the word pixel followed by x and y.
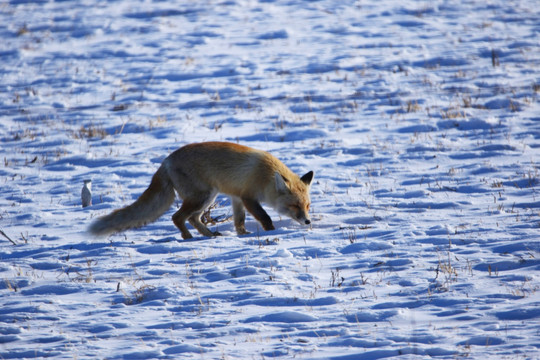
pixel 242 231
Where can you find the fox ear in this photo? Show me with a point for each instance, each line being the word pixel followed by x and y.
pixel 281 185
pixel 306 179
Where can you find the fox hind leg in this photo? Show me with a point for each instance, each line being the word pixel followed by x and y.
pixel 179 219
pixel 191 210
pixel 195 221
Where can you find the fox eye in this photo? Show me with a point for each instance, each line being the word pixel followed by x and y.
pixel 294 207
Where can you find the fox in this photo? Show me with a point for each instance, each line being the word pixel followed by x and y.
pixel 198 172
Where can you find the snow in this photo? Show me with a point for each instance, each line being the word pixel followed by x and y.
pixel 419 119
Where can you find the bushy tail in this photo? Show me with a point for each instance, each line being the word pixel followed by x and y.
pixel 153 202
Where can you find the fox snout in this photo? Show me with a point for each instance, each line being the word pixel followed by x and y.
pixel 295 213
pixel 300 214
pixel 303 219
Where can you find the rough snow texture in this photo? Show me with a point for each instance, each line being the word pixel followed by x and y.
pixel 419 119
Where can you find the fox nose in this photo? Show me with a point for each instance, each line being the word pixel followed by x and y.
pixel 308 222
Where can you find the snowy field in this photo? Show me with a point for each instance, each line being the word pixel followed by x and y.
pixel 420 119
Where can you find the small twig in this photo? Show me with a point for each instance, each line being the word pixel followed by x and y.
pixel 7 237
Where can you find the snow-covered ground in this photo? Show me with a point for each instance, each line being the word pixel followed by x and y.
pixel 420 120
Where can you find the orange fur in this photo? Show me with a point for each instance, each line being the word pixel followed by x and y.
pixel 198 172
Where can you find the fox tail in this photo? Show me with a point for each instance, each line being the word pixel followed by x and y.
pixel 153 202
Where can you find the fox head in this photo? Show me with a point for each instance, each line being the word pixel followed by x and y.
pixel 293 197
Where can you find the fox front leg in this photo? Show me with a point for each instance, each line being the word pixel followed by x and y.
pixel 239 215
pixel 258 212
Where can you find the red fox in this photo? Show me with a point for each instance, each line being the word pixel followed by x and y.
pixel 198 172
